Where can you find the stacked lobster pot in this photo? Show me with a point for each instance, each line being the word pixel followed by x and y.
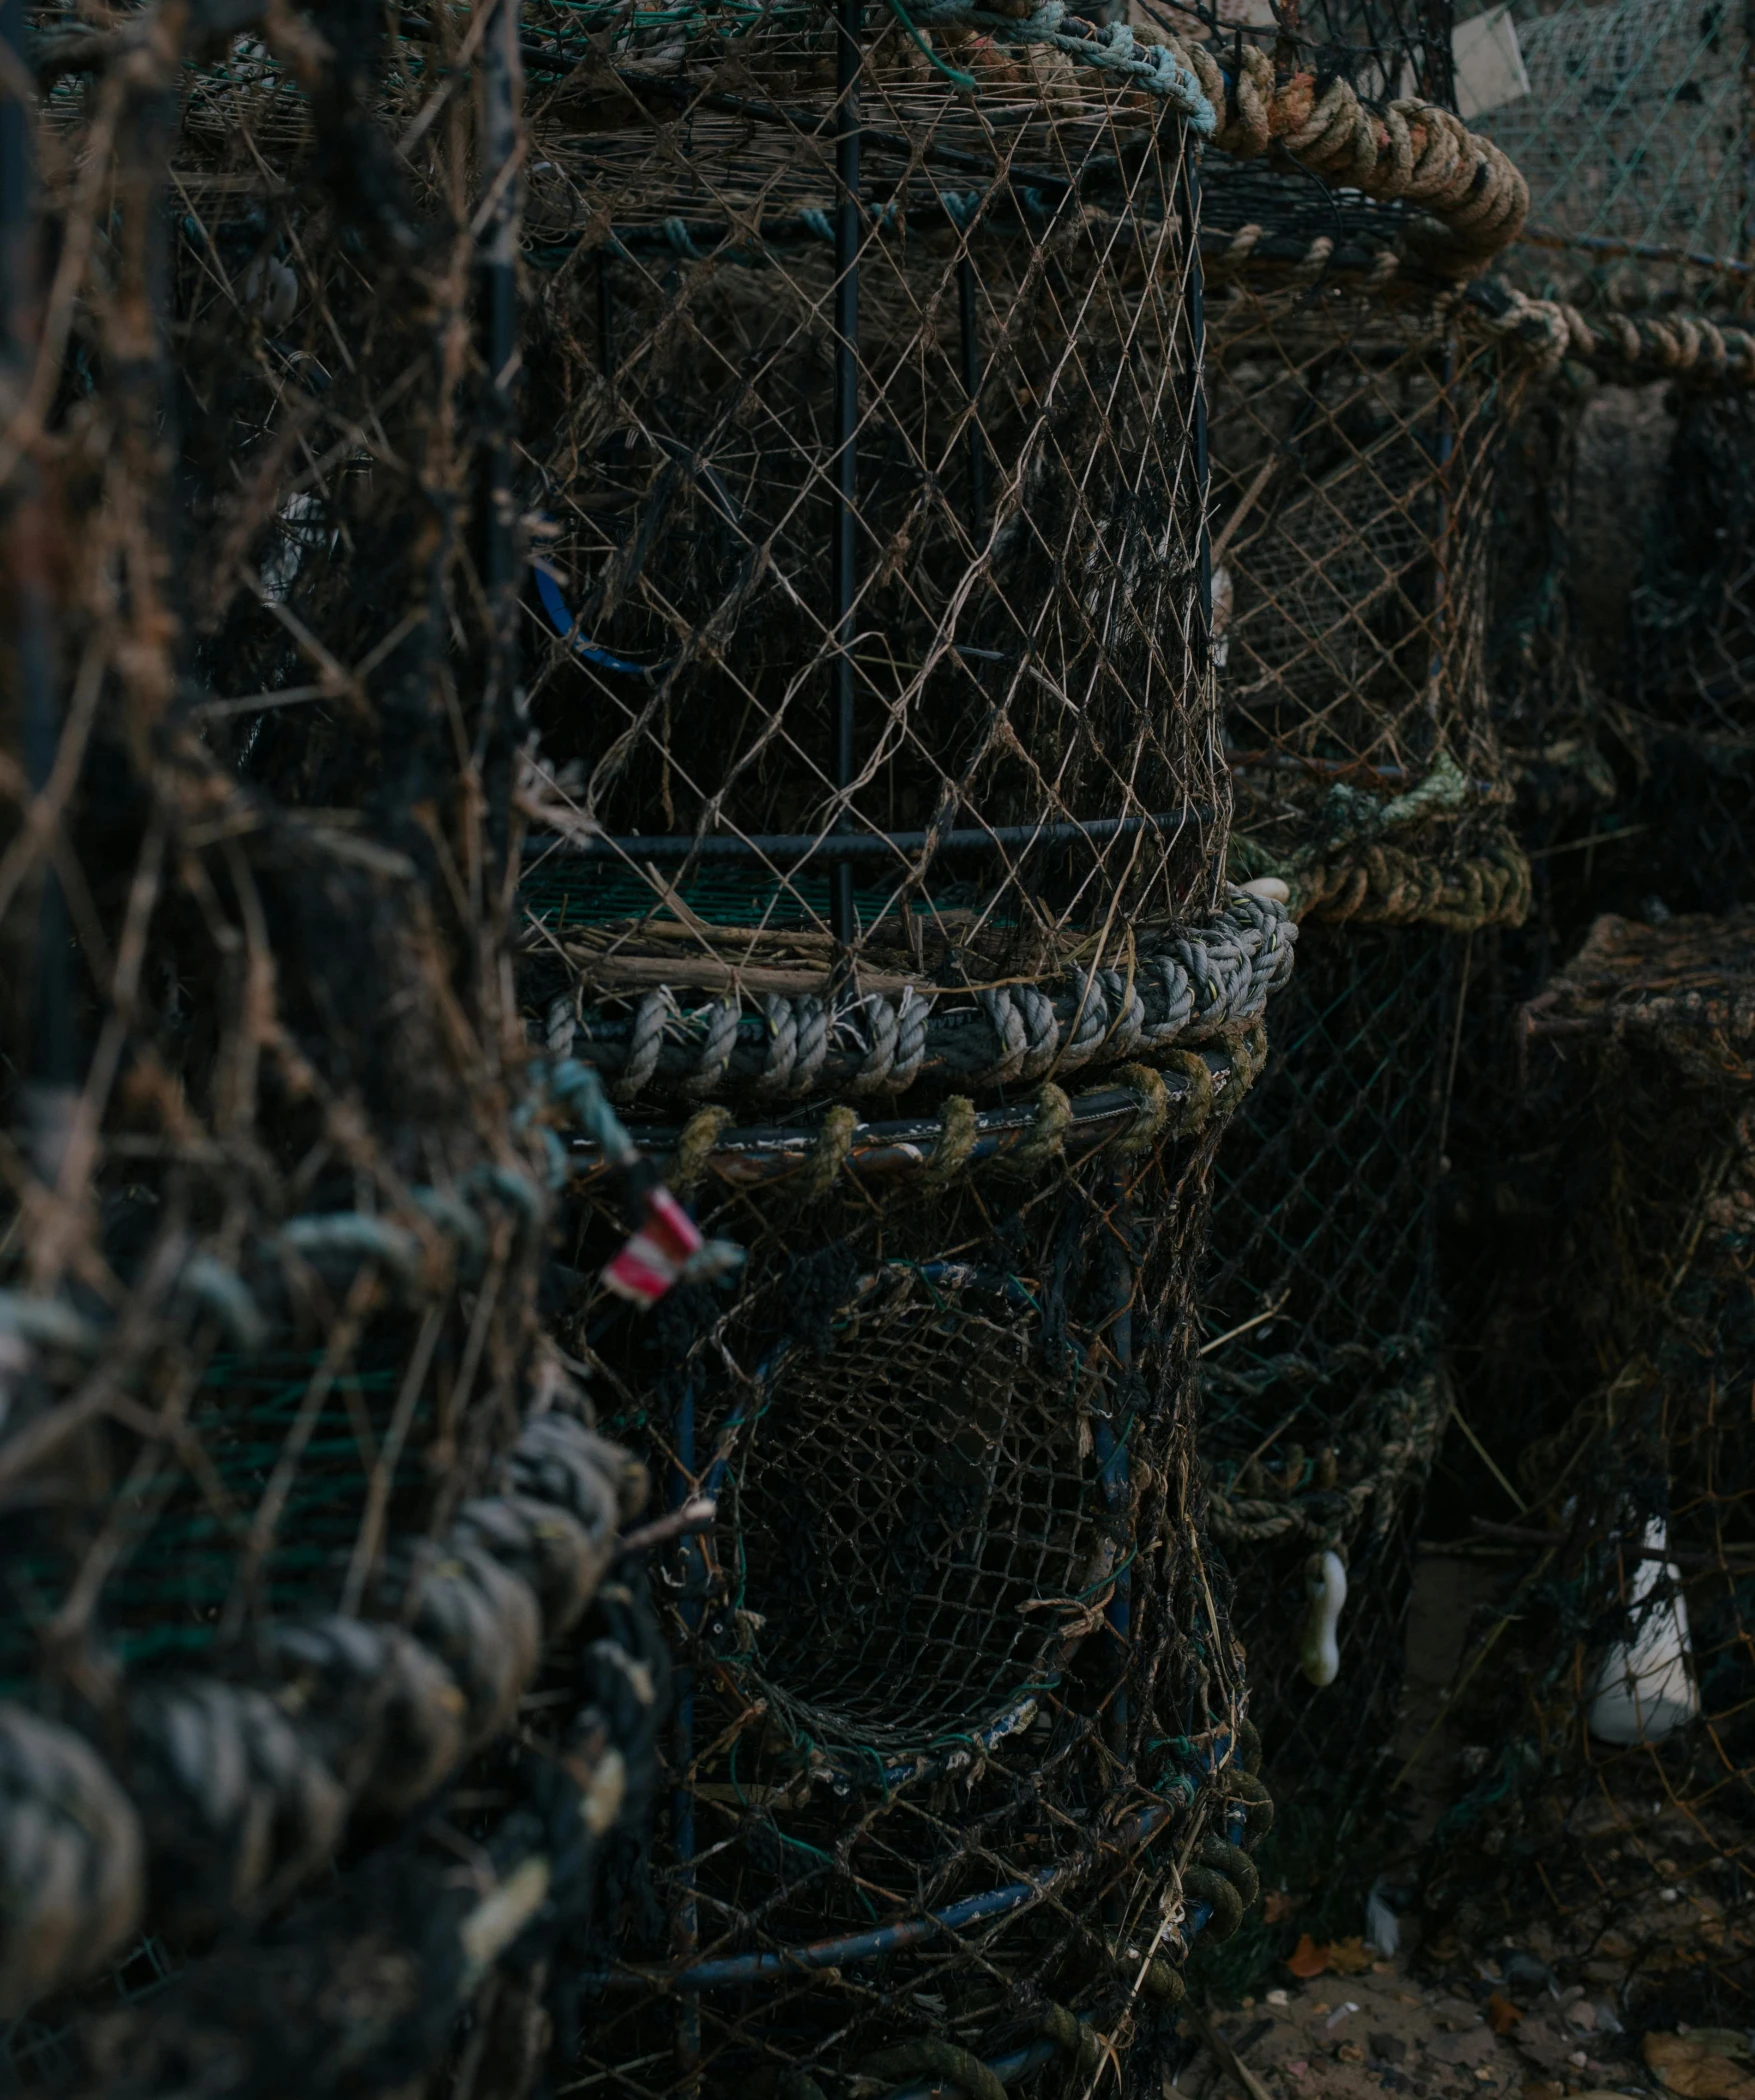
pixel 1609 1378
pixel 328 1688
pixel 1626 626
pixel 1612 1681
pixel 880 875
pixel 1356 400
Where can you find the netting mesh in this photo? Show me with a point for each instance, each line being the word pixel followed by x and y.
pixel 878 536
pixel 1322 1395
pixel 1620 1677
pixel 1632 141
pixel 1352 444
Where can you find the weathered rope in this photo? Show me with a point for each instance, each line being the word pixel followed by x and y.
pixel 1399 886
pixel 1324 1498
pixel 1183 990
pixel 361 1991
pixel 1137 1110
pixel 1410 152
pixel 1648 346
pixel 227 1795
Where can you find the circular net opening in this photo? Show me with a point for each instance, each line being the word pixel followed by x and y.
pixel 915 1518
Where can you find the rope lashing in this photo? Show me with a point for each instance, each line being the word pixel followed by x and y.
pixel 1126 1118
pixel 1185 989
pixel 1158 67
pixel 226 1795
pixel 450 1235
pixel 1395 1448
pixel 1411 151
pixel 1671 345
pixel 70 1860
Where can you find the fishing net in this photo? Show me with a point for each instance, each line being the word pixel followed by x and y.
pixel 294 1493
pixel 1631 140
pixel 1352 447
pixel 873 551
pixel 1616 1671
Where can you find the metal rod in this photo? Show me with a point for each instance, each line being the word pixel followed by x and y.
pixel 854 845
pixel 843 545
pixel 910 1932
pixel 972 388
pixel 751 1158
pixel 1641 251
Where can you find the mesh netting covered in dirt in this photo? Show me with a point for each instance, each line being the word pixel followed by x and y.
pixel 293 1493
pixel 1618 1671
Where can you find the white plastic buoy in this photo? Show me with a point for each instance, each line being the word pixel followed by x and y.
pixel 1325 1584
pixel 1644 1688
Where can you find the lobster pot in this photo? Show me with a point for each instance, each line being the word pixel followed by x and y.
pixel 280 1558
pixel 1620 1692
pixel 871 579
pixel 1322 1393
pixel 1631 139
pixel 1351 443
pixel 950 1692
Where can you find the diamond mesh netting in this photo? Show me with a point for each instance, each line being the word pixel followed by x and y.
pixel 1352 450
pixel 1322 1393
pixel 1617 1669
pixel 875 545
pixel 1632 139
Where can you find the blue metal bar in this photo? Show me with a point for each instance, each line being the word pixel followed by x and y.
pixel 909 1932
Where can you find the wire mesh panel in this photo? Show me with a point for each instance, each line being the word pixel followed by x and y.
pixel 1633 139
pixel 1622 1673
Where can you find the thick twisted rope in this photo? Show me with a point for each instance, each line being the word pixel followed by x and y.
pixel 1195 987
pixel 228 1794
pixel 1393 1453
pixel 1651 346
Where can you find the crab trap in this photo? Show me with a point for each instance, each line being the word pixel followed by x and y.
pixel 1615 1388
pixel 294 1492
pixel 1323 1393
pixel 959 1767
